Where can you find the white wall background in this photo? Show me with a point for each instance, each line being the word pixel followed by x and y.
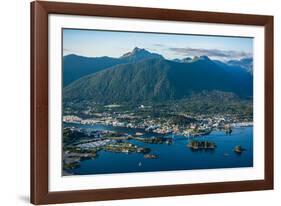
pixel 14 109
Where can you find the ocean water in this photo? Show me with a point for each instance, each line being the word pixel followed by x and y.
pixel 176 156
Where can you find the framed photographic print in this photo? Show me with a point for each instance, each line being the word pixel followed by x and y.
pixel 131 102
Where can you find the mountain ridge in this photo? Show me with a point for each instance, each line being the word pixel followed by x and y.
pixel 76 66
pixel 158 79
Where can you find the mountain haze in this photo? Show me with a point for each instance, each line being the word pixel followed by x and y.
pixel 246 63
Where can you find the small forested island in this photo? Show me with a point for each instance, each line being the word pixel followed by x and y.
pixel 239 149
pixel 201 145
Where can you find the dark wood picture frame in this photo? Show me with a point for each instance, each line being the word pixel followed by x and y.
pixel 39 102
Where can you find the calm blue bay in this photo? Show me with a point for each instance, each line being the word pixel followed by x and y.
pixel 176 156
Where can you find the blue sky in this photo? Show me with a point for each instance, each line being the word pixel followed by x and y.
pixel 94 43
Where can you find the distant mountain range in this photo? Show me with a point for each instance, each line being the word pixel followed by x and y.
pixel 141 76
pixel 75 67
pixel 246 63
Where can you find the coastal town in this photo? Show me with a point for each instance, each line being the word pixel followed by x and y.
pixel 180 124
pixel 80 144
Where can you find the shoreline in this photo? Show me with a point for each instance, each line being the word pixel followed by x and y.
pixel 233 125
pixel 157 152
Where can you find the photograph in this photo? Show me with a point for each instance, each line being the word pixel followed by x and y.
pixel 152 102
pixel 130 102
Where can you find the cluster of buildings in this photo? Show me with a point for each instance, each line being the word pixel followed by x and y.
pixel 94 144
pixel 202 124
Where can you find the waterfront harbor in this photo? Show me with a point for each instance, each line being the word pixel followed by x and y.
pixel 99 148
